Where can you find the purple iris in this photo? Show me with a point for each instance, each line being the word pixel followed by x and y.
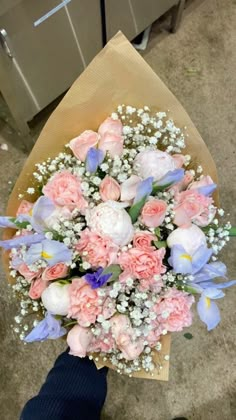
pixel 203 283
pixel 18 241
pixel 97 279
pixel 52 252
pixel 48 328
pixel 6 221
pixel 172 177
pixel 94 159
pixel 144 189
pixel 207 189
pixel 42 209
pixel 184 263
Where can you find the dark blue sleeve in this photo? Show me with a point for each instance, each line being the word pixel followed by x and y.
pixel 74 390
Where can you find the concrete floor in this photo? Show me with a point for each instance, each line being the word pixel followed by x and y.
pixel 198 64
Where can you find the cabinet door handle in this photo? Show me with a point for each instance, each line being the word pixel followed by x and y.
pixel 4 44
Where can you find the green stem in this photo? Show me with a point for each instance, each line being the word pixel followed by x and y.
pixel 70 323
pixel 232 231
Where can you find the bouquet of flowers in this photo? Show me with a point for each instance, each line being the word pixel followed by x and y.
pixel 120 238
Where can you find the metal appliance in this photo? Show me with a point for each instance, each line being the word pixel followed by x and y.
pixel 44 46
pixel 133 16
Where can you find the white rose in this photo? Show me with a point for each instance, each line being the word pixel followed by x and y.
pixel 111 219
pixel 56 298
pixel 190 238
pixel 154 163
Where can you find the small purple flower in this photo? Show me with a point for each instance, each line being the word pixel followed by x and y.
pixel 144 189
pixel 97 279
pixel 94 159
pixel 48 328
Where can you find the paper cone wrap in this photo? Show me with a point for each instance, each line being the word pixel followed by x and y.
pixel 117 75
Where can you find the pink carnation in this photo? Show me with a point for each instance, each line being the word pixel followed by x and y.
pixel 64 189
pixel 142 264
pixel 174 310
pixel 99 251
pixel 154 284
pixel 84 302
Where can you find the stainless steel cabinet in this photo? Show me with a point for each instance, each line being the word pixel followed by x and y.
pixel 44 46
pixel 133 16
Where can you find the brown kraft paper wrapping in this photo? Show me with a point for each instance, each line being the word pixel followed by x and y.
pixel 118 74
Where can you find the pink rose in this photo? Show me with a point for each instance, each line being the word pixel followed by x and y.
pixel 81 144
pixel 25 207
pixel 27 273
pixel 64 189
pixel 143 240
pixel 129 188
pixel 192 206
pixel 57 271
pixel 126 341
pixel 142 264
pixel 154 163
pixel 79 339
pixel 191 238
pixel 179 160
pixel 111 143
pixel 183 184
pixel 84 302
pixel 153 213
pixel 109 189
pixel 37 287
pixel 103 343
pixel 173 310
pixel 203 182
pixel 99 251
pixel 111 126
pixel 111 137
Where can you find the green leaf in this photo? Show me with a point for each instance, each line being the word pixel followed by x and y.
pixel 19 225
pixel 160 244
pixel 157 232
pixel 191 290
pixel 159 188
pixel 189 336
pixel 135 210
pixel 113 269
pixel 232 231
